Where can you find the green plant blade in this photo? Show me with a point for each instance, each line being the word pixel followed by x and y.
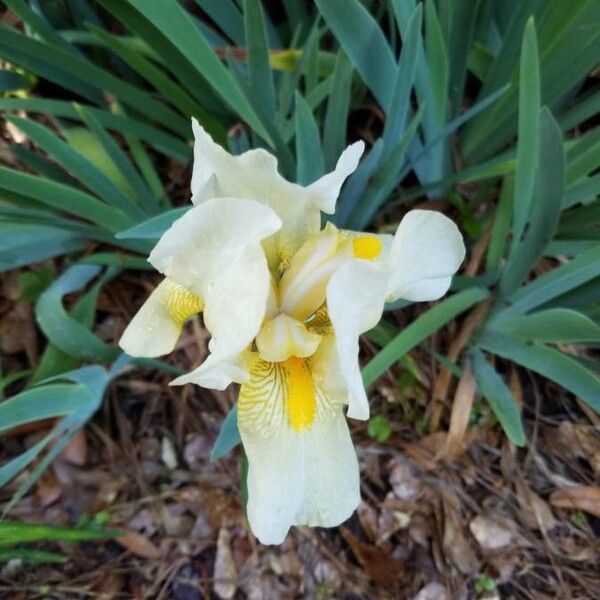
pixel 228 438
pixel 364 43
pixel 310 165
pixel 420 329
pixel 554 325
pixel 42 402
pixel 261 77
pixel 63 330
pixel 546 207
pixel 153 228
pixel 172 20
pixel 529 130
pixel 548 362
pixel 503 404
pixel 63 198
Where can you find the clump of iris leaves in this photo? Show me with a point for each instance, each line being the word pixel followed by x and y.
pixel 493 94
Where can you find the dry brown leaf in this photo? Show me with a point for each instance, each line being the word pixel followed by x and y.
pixel 459 418
pixel 433 591
pixel 405 485
pixel 580 441
pixel 225 575
pixel 139 544
pixel 75 452
pixel 455 543
pixel 535 511
pixel 367 516
pixel 584 497
pixel 378 564
pixel 18 332
pixel 490 535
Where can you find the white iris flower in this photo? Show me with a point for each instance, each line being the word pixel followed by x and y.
pixel 285 303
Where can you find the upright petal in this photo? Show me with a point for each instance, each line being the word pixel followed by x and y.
pixel 427 250
pixel 355 299
pixel 302 471
pixel 253 175
pixel 157 325
pixel 325 191
pixel 215 251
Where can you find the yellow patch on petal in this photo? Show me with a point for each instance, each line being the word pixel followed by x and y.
pixel 301 400
pixel 367 247
pixel 181 304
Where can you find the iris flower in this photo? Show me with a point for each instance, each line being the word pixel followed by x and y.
pixel 285 302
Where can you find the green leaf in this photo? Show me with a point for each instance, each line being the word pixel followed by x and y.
pixel 80 75
pixel 153 228
pixel 33 283
pixel 501 227
pixel 38 24
pixel 227 16
pixel 63 198
pixel 60 328
pixel 546 207
pixel 79 165
pixel 457 20
pixel 420 329
pixel 437 61
pixel 26 243
pixel 555 325
pixel 228 438
pixel 336 115
pixel 54 361
pixel 170 90
pixel 364 43
pixel 548 362
pixel 261 78
pixel 42 402
pixel 161 140
pixel 31 556
pixel 501 400
pixel 94 380
pixel 11 81
pixel 379 428
pixel 124 175
pixel 310 165
pixel 175 23
pixel 585 267
pixel 18 533
pixel 529 131
pixel 399 111
pixel 384 179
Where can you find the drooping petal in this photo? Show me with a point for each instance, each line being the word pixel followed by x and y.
pixel 217 372
pixel 427 250
pixel 155 328
pixel 325 191
pixel 355 299
pixel 253 175
pixel 215 251
pixel 302 464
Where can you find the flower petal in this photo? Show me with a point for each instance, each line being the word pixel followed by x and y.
pixel 355 299
pixel 307 477
pixel 216 372
pixel 253 175
pixel 215 251
pixel 155 328
pixel 325 191
pixel 427 250
pixel 282 337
